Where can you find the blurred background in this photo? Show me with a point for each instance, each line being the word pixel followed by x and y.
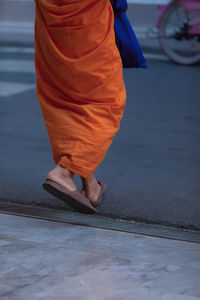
pixel 17 20
pixel 152 168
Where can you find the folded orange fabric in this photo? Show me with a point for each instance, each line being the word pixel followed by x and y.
pixel 79 80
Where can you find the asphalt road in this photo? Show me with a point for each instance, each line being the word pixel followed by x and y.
pixel 152 167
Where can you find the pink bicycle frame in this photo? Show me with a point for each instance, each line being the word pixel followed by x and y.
pixel 191 5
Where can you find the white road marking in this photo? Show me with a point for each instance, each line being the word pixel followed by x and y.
pixel 17 27
pixel 152 56
pixel 129 1
pixel 155 56
pixel 149 2
pixel 8 88
pixel 16 50
pixel 16 65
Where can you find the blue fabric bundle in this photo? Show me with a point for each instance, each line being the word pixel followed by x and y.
pixel 126 41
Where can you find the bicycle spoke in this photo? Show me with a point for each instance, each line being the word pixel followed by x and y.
pixel 178 17
pixel 187 16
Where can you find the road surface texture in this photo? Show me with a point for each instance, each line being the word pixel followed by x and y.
pixel 152 168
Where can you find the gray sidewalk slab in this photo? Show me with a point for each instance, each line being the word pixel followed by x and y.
pixel 43 259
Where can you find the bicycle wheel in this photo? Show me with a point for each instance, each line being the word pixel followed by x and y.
pixel 180 46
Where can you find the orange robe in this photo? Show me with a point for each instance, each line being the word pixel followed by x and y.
pixel 79 80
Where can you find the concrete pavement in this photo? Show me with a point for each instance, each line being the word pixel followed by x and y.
pixel 42 260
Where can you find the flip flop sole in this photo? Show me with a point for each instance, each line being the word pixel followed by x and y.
pixel 74 200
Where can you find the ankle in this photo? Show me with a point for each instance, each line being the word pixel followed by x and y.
pixel 89 182
pixel 65 172
pixel 61 172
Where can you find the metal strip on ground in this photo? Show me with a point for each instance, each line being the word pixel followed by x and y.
pixel 76 218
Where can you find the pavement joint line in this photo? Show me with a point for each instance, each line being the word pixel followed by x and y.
pixel 102 222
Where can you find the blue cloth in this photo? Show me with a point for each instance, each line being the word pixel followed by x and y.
pixel 126 41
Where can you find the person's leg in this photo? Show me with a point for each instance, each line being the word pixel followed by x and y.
pixel 80 86
pixel 62 176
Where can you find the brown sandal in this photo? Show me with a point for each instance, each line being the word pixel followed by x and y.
pixel 103 190
pixel 73 198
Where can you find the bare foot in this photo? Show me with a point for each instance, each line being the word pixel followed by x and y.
pixel 91 188
pixel 62 176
